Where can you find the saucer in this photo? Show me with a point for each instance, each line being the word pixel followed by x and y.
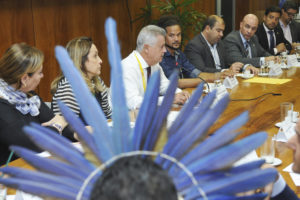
pixel 276 162
pixel 263 74
pixel 247 76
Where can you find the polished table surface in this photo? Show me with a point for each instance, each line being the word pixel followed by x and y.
pixel 264 113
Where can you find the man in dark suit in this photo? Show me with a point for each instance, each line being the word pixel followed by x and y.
pixel 206 51
pixel 290 27
pixel 270 36
pixel 243 46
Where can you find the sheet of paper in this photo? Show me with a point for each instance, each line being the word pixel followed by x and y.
pixel 267 80
pixel 295 177
pixel 26 196
pixel 287 133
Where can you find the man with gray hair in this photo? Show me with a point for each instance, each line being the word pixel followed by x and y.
pixel 144 61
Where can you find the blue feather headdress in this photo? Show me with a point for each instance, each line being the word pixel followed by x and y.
pixel 201 166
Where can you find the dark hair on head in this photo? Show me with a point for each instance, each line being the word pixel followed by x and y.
pixel 168 20
pixel 289 5
pixel 273 9
pixel 211 21
pixel 134 178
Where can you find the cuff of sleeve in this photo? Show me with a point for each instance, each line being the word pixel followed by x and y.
pixel 245 66
pixel 275 51
pixel 195 73
pixel 178 90
pixel 278 186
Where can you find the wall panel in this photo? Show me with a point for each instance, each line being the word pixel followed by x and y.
pixel 16 23
pixel 46 23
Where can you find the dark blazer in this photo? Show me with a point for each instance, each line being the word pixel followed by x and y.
pixel 236 51
pixel 199 54
pixel 295 30
pixel 279 37
pixel 12 122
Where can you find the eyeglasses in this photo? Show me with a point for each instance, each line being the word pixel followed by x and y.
pixel 291 14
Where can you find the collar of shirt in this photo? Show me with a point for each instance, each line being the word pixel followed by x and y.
pixel 168 54
pixel 243 39
pixel 268 35
pixel 282 24
pixel 266 28
pixel 212 47
pixel 141 59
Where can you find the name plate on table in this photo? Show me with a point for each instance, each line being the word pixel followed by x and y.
pixel 275 70
pixel 292 61
pixel 230 82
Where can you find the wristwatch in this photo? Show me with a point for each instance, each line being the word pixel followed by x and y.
pixel 57 126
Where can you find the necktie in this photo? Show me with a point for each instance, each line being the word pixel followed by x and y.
pixel 247 49
pixel 272 42
pixel 148 72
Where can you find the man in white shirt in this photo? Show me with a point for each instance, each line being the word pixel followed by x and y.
pixel 144 61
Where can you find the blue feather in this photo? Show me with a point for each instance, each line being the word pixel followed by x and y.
pixel 185 112
pixel 89 106
pixel 41 177
pixel 79 128
pixel 239 183
pixel 40 189
pixel 225 156
pixel 189 122
pixel 54 146
pixel 121 128
pixel 49 165
pixel 161 113
pixel 55 136
pixel 259 196
pixel 183 182
pixel 221 137
pixel 198 131
pixel 147 111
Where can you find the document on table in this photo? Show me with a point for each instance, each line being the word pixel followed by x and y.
pixel 267 80
pixel 295 177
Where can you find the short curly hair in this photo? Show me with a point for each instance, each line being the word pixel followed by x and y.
pixel 134 178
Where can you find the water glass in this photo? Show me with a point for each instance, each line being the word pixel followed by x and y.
pixel 267 150
pixel 286 111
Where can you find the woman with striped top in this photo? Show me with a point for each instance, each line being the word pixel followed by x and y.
pixel 85 57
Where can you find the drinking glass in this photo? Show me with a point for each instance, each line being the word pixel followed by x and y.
pixel 267 150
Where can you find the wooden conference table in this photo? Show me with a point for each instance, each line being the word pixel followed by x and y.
pixel 264 112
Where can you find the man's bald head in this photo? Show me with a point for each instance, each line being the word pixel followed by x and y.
pixel 248 26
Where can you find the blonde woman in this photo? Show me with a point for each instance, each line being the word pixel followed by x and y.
pixel 85 57
pixel 21 69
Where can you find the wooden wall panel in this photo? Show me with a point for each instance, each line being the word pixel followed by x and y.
pixel 55 23
pixel 16 23
pixel 46 23
pixel 256 7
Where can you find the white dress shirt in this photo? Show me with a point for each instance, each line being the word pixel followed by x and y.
pixel 268 36
pixel 214 52
pixel 133 80
pixel 286 31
